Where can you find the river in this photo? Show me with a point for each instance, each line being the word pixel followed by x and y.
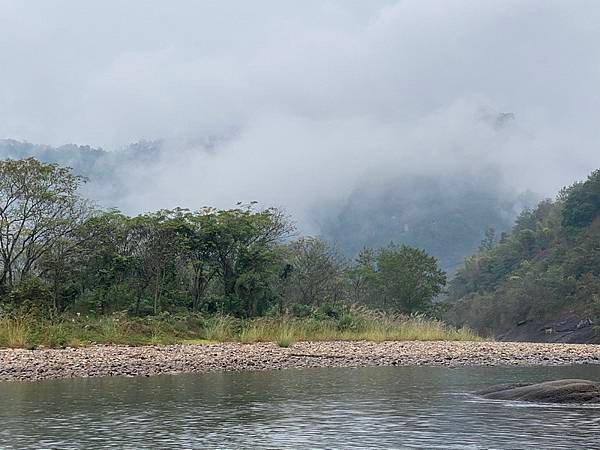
pixel 297 408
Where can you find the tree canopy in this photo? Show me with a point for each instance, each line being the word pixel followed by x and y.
pixel 39 207
pixel 58 254
pixel 548 265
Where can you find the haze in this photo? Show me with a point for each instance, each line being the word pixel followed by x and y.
pixel 307 100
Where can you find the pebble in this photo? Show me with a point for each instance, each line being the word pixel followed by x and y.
pixel 109 360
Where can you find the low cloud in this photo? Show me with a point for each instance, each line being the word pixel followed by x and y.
pixel 307 100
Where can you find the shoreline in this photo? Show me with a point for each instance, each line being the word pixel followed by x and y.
pixel 114 360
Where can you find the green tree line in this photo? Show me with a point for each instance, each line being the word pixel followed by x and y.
pixel 548 265
pixel 59 253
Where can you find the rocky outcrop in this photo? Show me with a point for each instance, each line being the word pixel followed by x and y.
pixel 558 391
pixel 569 329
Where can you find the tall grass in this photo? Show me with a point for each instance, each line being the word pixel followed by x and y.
pixel 368 326
pixel 220 328
pixel 14 333
pixel 353 324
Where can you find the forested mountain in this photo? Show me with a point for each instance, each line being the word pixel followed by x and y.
pixel 445 215
pixel 538 282
pixel 541 282
pixel 109 174
pixel 105 171
pixel 94 163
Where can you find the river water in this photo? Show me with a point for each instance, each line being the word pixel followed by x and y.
pixel 395 407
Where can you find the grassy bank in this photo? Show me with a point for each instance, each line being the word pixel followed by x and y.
pixel 77 331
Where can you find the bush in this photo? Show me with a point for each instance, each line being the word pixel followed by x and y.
pixel 345 323
pixel 300 310
pixel 329 311
pixel 30 296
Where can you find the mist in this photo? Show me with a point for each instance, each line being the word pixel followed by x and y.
pixel 303 103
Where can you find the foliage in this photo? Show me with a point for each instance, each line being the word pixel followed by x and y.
pixel 582 202
pixel 408 278
pixel 317 272
pixel 550 264
pixel 396 278
pixel 444 214
pixel 231 265
pixel 39 207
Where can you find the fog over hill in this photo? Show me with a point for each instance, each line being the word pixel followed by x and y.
pixel 367 121
pixel 446 213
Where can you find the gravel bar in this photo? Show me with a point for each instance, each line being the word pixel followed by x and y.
pixel 108 360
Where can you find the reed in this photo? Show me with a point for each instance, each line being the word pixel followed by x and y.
pixel 352 325
pixel 14 333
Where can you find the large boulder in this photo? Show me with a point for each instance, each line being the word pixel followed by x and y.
pixel 558 391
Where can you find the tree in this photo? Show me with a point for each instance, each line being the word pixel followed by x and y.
pixel 199 267
pixel 105 253
pixel 158 245
pixel 362 276
pixel 39 206
pixel 489 240
pixel 408 277
pixel 582 202
pixel 316 272
pixel 59 267
pixel 241 241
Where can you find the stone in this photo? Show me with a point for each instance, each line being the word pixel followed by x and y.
pixel 557 391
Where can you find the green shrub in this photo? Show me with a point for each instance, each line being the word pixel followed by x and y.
pixel 300 310
pixel 330 311
pixel 30 296
pixel 345 323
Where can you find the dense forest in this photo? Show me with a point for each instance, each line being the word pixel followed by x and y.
pixel 106 172
pixel 546 269
pixel 446 215
pixel 59 253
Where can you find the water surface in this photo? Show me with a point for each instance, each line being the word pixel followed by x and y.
pixel 334 408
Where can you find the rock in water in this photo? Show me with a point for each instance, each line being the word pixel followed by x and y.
pixel 558 391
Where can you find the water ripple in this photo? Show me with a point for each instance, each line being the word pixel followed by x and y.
pixel 408 407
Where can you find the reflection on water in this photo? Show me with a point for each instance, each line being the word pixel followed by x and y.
pixel 335 408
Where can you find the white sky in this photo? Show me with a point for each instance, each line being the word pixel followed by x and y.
pixel 319 93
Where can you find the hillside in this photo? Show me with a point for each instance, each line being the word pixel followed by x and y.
pixel 106 172
pixel 541 282
pixel 112 176
pixel 445 214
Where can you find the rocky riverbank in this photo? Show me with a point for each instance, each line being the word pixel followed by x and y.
pixel 98 361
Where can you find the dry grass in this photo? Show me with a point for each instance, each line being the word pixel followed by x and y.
pixel 14 333
pixel 358 325
pixel 355 324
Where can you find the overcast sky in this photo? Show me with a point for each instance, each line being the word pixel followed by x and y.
pixel 316 94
